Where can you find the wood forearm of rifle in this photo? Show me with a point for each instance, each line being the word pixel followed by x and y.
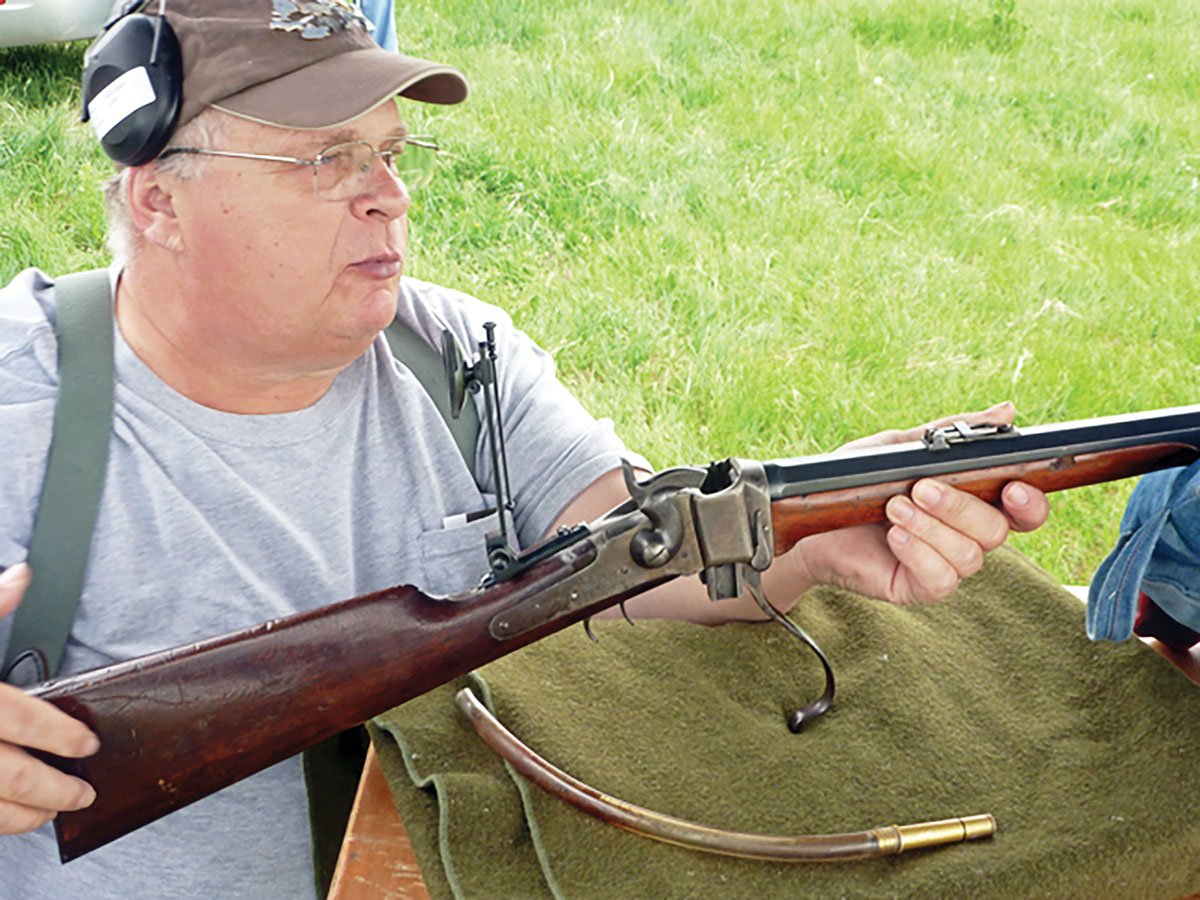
pixel 798 517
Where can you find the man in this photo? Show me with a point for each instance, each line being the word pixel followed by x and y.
pixel 268 454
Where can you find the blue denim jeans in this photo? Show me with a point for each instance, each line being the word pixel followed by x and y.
pixel 1158 552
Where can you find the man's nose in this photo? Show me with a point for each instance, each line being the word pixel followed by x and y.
pixel 385 194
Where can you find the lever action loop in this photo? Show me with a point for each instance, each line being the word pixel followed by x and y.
pixel 715 521
pixel 797 720
pixel 886 841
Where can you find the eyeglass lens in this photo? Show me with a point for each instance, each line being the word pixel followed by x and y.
pixel 343 169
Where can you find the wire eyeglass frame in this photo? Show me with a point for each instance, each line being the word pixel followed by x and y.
pixel 357 158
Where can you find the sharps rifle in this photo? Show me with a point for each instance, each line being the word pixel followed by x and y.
pixel 178 725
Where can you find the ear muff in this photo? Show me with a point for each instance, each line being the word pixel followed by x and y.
pixel 133 86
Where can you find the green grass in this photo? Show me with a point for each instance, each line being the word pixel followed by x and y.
pixel 764 228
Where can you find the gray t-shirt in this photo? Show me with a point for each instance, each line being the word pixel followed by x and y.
pixel 212 521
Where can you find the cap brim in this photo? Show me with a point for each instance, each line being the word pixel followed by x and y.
pixel 341 88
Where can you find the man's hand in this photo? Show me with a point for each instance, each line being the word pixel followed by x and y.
pixel 935 538
pixel 31 792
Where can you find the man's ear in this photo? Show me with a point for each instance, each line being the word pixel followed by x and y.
pixel 152 207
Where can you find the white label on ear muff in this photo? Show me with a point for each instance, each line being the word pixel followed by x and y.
pixel 123 96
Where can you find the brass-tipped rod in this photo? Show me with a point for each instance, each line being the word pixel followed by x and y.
pixel 886 841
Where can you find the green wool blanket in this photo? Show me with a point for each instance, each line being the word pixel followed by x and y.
pixel 1088 755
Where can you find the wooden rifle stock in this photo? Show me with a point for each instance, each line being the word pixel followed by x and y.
pixel 178 725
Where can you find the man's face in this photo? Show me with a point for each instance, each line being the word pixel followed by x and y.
pixel 273 271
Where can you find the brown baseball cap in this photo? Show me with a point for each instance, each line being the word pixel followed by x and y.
pixel 294 63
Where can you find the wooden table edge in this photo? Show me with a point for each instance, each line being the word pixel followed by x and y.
pixel 376 860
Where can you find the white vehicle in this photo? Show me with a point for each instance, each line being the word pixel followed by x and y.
pixel 49 21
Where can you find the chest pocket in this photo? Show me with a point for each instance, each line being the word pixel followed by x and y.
pixel 454 557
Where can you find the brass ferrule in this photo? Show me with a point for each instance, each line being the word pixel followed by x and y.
pixel 899 838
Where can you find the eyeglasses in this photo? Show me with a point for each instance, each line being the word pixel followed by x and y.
pixel 343 170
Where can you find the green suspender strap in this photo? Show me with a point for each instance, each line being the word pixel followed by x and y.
pixel 429 367
pixel 70 501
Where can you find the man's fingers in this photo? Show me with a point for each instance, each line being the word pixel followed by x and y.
pixel 1000 414
pixel 963 513
pixel 933 556
pixel 16 818
pixel 941 537
pixel 32 793
pixel 29 722
pixel 28 782
pixel 924 575
pixel 963 554
pixel 14 581
pixel 1027 507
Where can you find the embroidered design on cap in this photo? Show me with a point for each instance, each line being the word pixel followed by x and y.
pixel 316 19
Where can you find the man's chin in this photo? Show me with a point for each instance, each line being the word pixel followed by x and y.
pixel 354 311
pixel 379 305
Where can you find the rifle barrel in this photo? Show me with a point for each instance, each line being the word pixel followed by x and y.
pixel 814 494
pixel 902 462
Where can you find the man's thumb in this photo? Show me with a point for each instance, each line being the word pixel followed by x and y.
pixel 13 583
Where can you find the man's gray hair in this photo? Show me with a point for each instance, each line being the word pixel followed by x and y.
pixel 205 132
